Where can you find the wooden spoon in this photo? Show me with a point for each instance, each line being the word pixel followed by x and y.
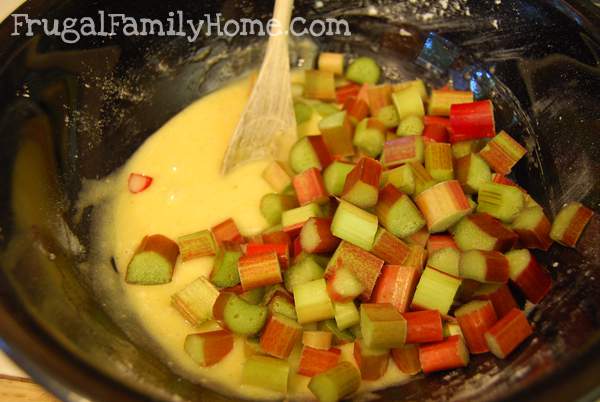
pixel 268 125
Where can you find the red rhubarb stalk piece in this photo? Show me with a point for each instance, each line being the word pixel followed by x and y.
pixel 372 363
pixel 227 232
pixel 508 333
pixel 396 285
pixel 344 92
pixel 445 355
pixel 219 306
pixel 297 246
pixel 499 295
pixel 407 359
pixel 470 121
pixel 389 248
pixel 379 96
pixel 357 108
pixel 310 187
pixel 362 183
pixel 280 336
pixel 533 280
pixel 475 318
pixel 282 251
pixel 316 236
pixel 321 150
pixel 424 326
pixel 440 241
pixel 138 182
pixel 209 348
pixel 259 270
pixel 315 361
pixel 435 132
pixel 277 237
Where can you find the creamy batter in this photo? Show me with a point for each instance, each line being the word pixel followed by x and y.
pixel 189 194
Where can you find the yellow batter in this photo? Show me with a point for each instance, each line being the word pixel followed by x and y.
pixel 189 194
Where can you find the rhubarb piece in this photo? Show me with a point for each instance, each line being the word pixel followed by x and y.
pixel 417 85
pixel 354 225
pixel 484 266
pixel 343 92
pixel 280 336
pixel 508 333
pixel 335 177
pixel 363 265
pixel 309 187
pixel 382 326
pixel 475 318
pixel 435 132
pixel 336 383
pixel 363 70
pixel 419 238
pixel 438 161
pixel 448 354
pixel 472 171
pixel 528 275
pixel 467 289
pixel 402 150
pixel 325 109
pixel 570 223
pixel 253 296
pixel 501 201
pixel 452 328
pixel 499 295
pixel 208 348
pixel 317 361
pixel 275 292
pixel 372 362
pixel 266 372
pixel 533 228
pixel 196 245
pixel 443 205
pixel 154 261
pixel 138 182
pixel 469 121
pixel 283 306
pixel 362 183
pixel 437 121
pixel 272 206
pixel 319 85
pixel 439 241
pixel 343 285
pixel 388 116
pixel 397 213
pixel 293 219
pixel 313 302
pixel 423 179
pixel 195 301
pixel 277 176
pixel 417 257
pixel 281 249
pixel 423 326
pixel 410 126
pixel 320 340
pixel 252 347
pixel 303 112
pixel 340 337
pixel 441 100
pixel 227 232
pixel 332 62
pixel 461 149
pixel 445 260
pixel 396 285
pixel 435 291
pixel 309 152
pixel 407 359
pixel 336 130
pixel 369 136
pixel 402 178
pixel 316 236
pixel 240 316
pixel 389 248
pixel 306 270
pixel 408 102
pixel 357 108
pixel 502 153
pixel 379 97
pixel 483 232
pixel 225 272
pixel 259 270
pixel 346 314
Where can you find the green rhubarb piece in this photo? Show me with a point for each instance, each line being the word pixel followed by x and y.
pixel 153 262
pixel 445 260
pixel 388 116
pixel 195 301
pixel 242 317
pixel 570 223
pixel 402 178
pixel 482 232
pixel 363 70
pixel 313 302
pixel 335 175
pixel 201 346
pixel 346 315
pixel 408 102
pixel 253 296
pixel 320 259
pixel 336 383
pixel 325 109
pixel 368 139
pixel 303 271
pixel 337 131
pixel 319 85
pixel 355 330
pixel 345 284
pixel 463 148
pixel 398 213
pixel 300 215
pixel 422 178
pixel 501 201
pixel 225 273
pixel 354 225
pixel 303 156
pixel 382 326
pixel 341 336
pixel 410 125
pixel 472 171
pixel 435 291
pixel 266 372
pixel 283 306
pixel 303 112
pixel 195 245
pixel 272 206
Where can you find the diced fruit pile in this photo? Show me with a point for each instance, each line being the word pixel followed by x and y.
pixel 393 229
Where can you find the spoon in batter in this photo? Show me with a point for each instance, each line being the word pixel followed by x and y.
pixel 268 125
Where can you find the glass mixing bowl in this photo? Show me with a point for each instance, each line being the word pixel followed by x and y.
pixel 70 112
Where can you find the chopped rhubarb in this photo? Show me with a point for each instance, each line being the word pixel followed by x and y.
pixel 469 121
pixel 343 285
pixel 138 182
pixel 225 273
pixel 528 275
pixel 208 348
pixel 196 245
pixel 344 92
pixel 417 85
pixel 346 314
pixel 354 225
pixel 153 261
pixel 227 232
pixel 335 177
pixel 281 249
pixel 501 201
pixel 278 177
pixel 484 266
pixel 259 270
pixel 362 183
pixel 421 177
pixel 382 326
pixel 320 340
pixel 309 187
pixel 407 359
pixel 272 206
pixel 313 302
pixel 402 150
pixel 397 213
pixel 441 100
pixel 410 125
pixel 332 62
pixel 448 354
pixel 438 241
pixel 266 372
pixel 396 285
pixel 303 271
pixel 336 383
pixel 443 205
pixel 389 248
pixel 445 260
pixel 483 232
pixel 435 291
pixel 372 362
pixel 475 318
pixel 309 152
pixel 463 148
pixel 417 257
pixel 369 136
pixel 388 116
pixel 339 337
pixel 472 171
pixel 363 70
pixel 500 296
pixel 317 361
pixel 238 315
pixel 337 131
pixel 356 107
pixel 282 305
pixel 402 178
pixel 423 326
pixel 418 238
pixel 508 333
pixel 570 223
pixel 195 302
pixel 379 96
pixel 408 102
pixel 276 237
pixel 319 85
pixel 502 153
pixel 293 219
pixel 316 236
pixel 438 161
pixel 435 132
pixel 280 336
pixel 533 228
